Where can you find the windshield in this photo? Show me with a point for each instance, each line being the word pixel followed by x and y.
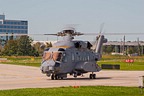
pixel 56 56
pixel 46 55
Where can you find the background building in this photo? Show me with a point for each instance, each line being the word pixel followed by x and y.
pixel 128 48
pixel 10 27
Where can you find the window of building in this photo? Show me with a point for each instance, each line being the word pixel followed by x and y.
pixel 4 30
pixel 15 23
pixel 4 26
pixel 8 26
pixel 8 22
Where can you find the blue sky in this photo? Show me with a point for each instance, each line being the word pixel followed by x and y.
pixel 50 16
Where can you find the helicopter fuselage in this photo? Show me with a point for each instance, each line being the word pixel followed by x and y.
pixel 60 61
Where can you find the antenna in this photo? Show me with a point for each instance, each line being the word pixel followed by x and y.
pixel 124 45
pixel 139 53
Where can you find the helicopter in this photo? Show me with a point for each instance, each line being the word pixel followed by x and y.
pixel 72 57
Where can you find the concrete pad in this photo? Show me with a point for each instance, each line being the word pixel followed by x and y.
pixel 15 77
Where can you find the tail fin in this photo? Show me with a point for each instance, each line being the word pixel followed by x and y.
pixel 99 43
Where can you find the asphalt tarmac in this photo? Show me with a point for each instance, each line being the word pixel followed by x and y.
pixel 15 77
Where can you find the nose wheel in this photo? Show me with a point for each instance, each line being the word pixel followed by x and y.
pixel 52 77
pixel 56 77
pixel 92 76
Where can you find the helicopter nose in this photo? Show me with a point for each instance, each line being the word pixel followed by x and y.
pixel 47 67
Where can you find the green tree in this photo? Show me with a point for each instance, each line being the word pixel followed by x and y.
pixel 10 48
pixel 130 50
pixel 20 47
pixel 104 49
pixel 109 49
pixel 37 46
pixel 25 48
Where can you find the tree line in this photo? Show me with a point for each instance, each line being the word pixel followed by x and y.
pixel 22 47
pixel 108 49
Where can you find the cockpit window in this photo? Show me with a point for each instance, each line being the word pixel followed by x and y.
pixel 46 55
pixel 56 56
pixel 61 49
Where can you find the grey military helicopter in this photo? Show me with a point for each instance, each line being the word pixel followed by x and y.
pixel 71 56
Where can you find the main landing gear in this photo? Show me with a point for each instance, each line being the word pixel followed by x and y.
pixel 57 77
pixel 92 76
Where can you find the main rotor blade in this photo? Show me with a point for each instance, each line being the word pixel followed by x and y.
pixel 50 34
pixel 78 33
pixel 114 34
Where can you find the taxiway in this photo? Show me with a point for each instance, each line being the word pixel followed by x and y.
pixel 15 77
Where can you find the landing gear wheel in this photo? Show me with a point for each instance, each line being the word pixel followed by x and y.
pixel 75 75
pixel 91 76
pixel 94 76
pixel 56 77
pixel 62 78
pixel 52 77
